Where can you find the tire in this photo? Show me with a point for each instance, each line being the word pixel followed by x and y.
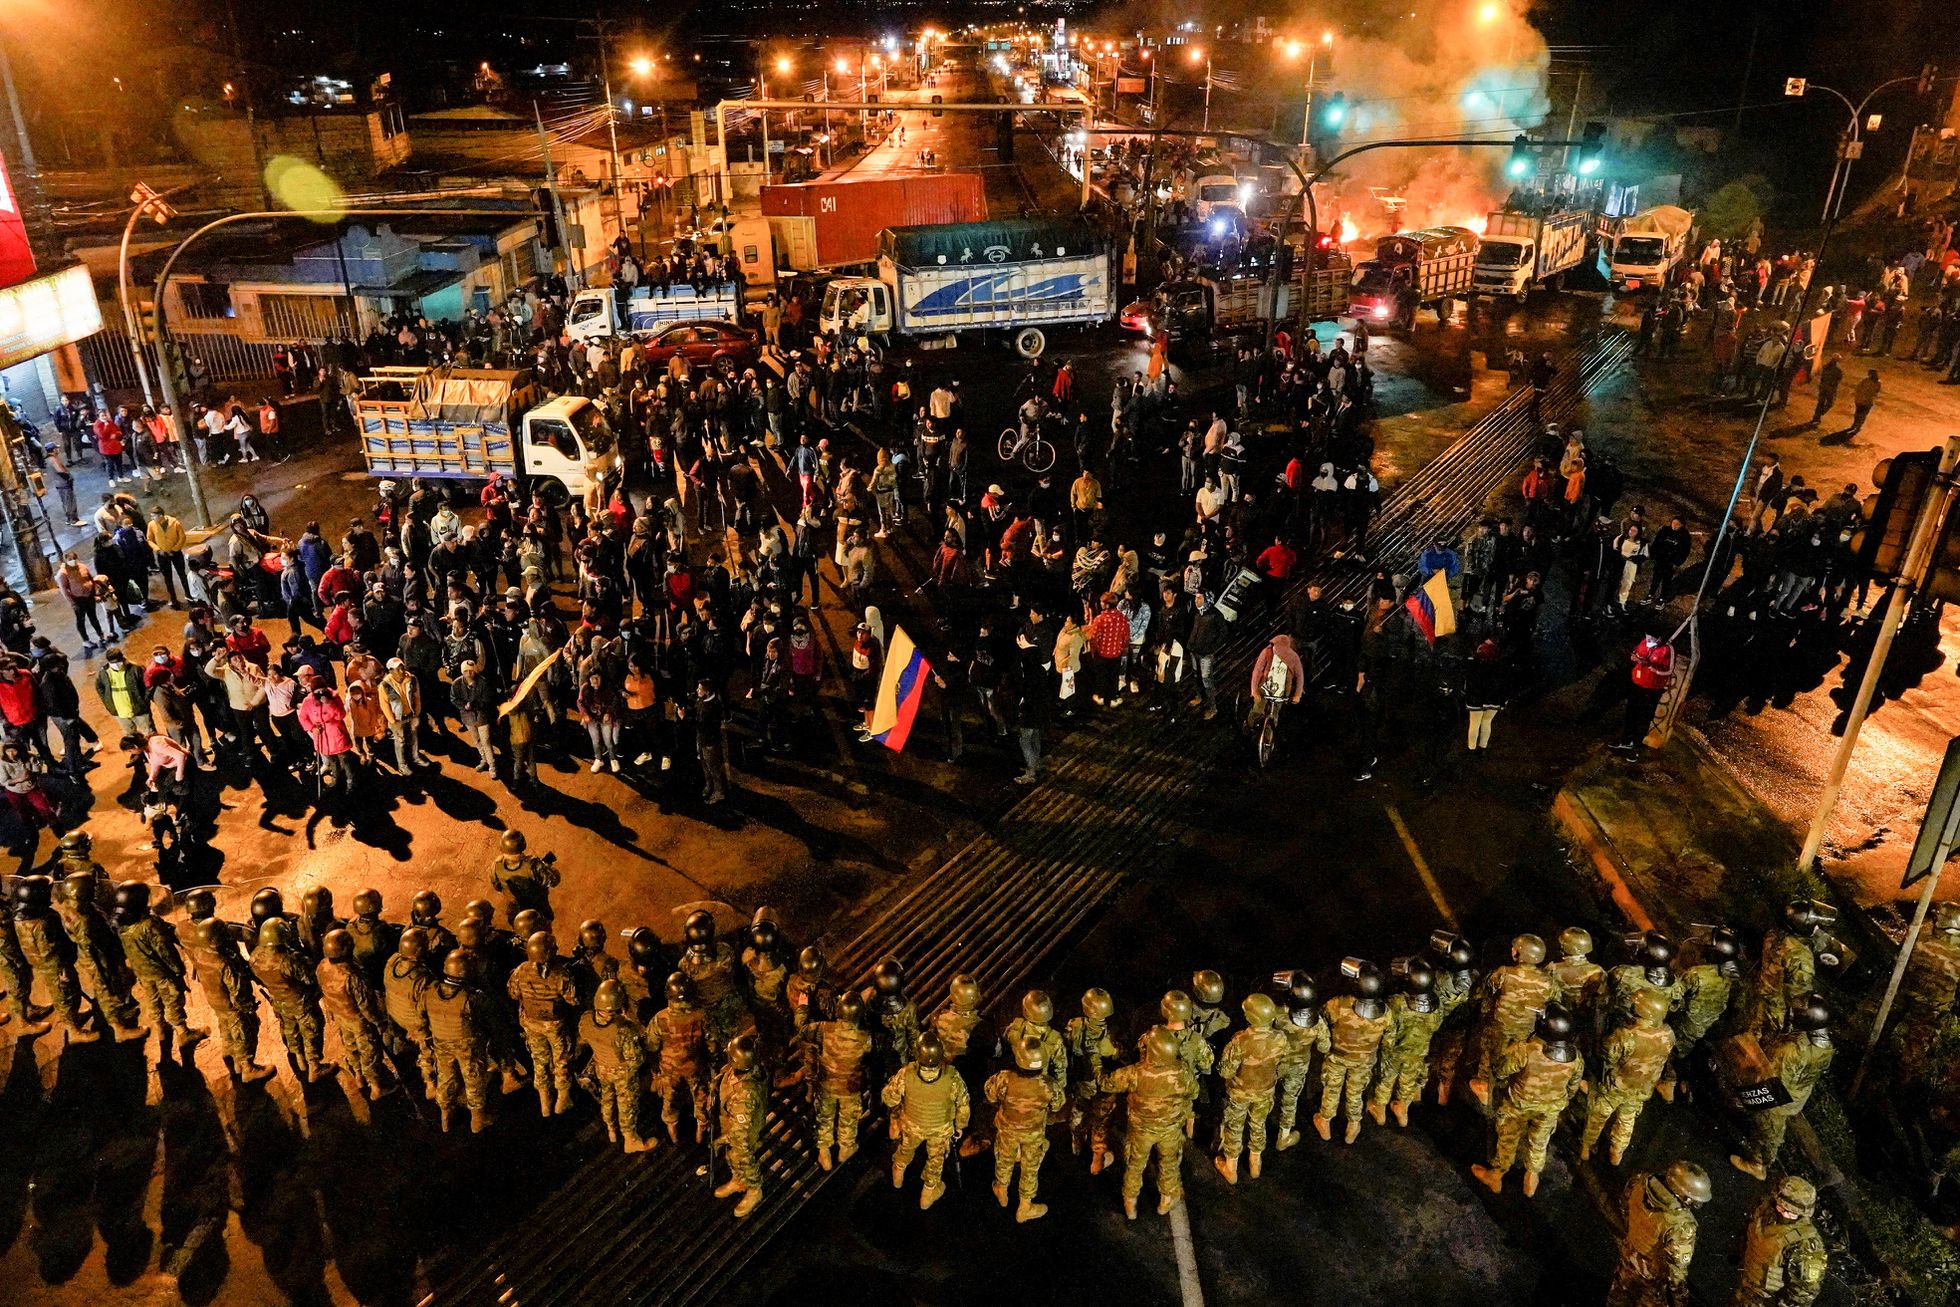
pixel 1039 455
pixel 1005 449
pixel 1029 342
pixel 1268 739
pixel 554 492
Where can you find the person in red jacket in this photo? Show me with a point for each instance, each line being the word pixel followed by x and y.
pixel 21 707
pixel 1653 673
pixel 337 580
pixel 1109 640
pixel 243 640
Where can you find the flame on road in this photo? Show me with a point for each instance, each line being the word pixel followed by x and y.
pixel 1349 232
pixel 1477 224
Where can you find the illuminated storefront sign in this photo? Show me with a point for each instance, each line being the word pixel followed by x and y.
pixel 39 315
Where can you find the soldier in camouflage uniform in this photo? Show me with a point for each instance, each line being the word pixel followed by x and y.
pixel 1536 1081
pixel 897 1028
pixel 1928 989
pixel 425 910
pixel 375 940
pixel 647 968
pixel 404 981
pixel 1250 1069
pixel 810 994
pixel 30 1019
pixel 1158 1093
pixel 1306 1034
pixel 1659 1240
pixel 1513 996
pixel 523 881
pixel 49 953
pixel 1358 1025
pixel 765 970
pixel 1631 1061
pixel 1179 1015
pixel 1416 1015
pixel 1581 985
pixel 1091 1051
pixel 316 921
pixel 1024 1097
pixel 592 966
pixel 289 983
pixel 157 963
pixel 1454 959
pixel 929 1107
pixel 1036 1022
pixel 619 1052
pixel 545 996
pixel 226 983
pixel 1651 969
pixel 744 1098
pixel 1783 1256
pixel 1798 1061
pixel 960 1019
pixel 677 1045
pixel 1208 1016
pixel 354 1007
pixel 840 1053
pixel 1788 967
pixel 1709 995
pixel 711 966
pixel 99 963
pixel 459 1034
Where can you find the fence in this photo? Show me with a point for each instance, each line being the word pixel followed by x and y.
pixel 210 356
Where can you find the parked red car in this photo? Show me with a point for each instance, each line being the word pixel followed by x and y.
pixel 703 344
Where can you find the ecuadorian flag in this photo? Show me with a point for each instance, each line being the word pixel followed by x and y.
pixel 1430 607
pixel 900 690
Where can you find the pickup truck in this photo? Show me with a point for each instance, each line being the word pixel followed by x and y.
pixel 466 423
pixel 595 314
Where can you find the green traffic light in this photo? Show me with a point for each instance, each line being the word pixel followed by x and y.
pixel 1587 167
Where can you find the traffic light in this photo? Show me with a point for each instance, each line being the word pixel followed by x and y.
pixel 938 100
pixel 1333 113
pixel 1592 149
pixel 1926 76
pixel 1522 162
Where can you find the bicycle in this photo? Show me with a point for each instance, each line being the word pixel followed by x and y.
pixel 1034 450
pixel 1261 717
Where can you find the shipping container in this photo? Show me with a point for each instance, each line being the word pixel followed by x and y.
pixel 832 224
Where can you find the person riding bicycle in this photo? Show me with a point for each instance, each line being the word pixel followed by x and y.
pixel 1033 411
pixel 1277 677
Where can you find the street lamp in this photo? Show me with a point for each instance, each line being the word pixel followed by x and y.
pixel 1851 144
pixel 1293 50
pixel 1198 55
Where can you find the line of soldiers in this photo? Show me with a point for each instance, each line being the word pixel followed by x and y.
pixel 483 1001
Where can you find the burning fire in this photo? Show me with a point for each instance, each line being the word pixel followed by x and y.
pixel 1477 223
pixel 1349 232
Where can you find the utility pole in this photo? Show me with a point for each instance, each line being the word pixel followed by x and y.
pixel 557 204
pixel 1918 562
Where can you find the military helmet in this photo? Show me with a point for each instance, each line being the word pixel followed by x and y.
pixel 338 946
pixel 964 992
pixel 1037 1007
pixel 200 903
pixel 1301 995
pixel 541 947
pixel 1097 1004
pixel 1796 1196
pixel 809 963
pixel 1811 1011
pixel 367 903
pixel 699 928
pixel 1028 1055
pixel 1574 942
pixel 267 904
pixel 929 1051
pixel 1161 1046
pixel 527 923
pixel 1688 1182
pixel 763 933
pixel 469 934
pixel 1452 950
pixel 132 902
pixel 889 977
pixel 609 997
pixel 643 947
pixel 456 966
pixel 209 933
pixel 77 842
pixel 1260 1011
pixel 1208 987
pixel 77 890
pixel 1528 950
pixel 1946 918
pixel 480 910
pixel 34 893
pixel 513 842
pixel 1418 979
pixel 1656 949
pixel 1554 1024
pixel 1176 1007
pixel 1805 915
pixel 425 907
pixel 592 935
pixel 1367 977
pixel 1722 945
pixel 850 1008
pixel 414 943
pixel 316 902
pixel 679 988
pixel 275 932
pixel 1650 1007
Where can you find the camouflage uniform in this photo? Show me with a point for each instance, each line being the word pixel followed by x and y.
pixel 1454 990
pixel 1581 986
pixel 1799 1063
pixel 744 1109
pixel 544 994
pixel 50 955
pixel 1090 1050
pixel 1405 1055
pixel 842 1049
pixel 1926 998
pixel 157 964
pixel 1295 1064
pixel 1250 1070
pixel 1531 1092
pixel 1631 1061
pixel 619 1054
pixel 1159 1099
pixel 929 1113
pixel 226 983
pixel 677 1043
pixel 15 972
pixel 100 968
pixel 716 991
pixel 1513 996
pixel 1783 1261
pixel 1053 1050
pixel 289 983
pixel 375 942
pixel 459 1038
pixel 1023 1102
pixel 404 982
pixel 1345 1072
pixel 525 882
pixel 1656 1248
pixel 355 1009
pixel 1625 982
pixel 1788 969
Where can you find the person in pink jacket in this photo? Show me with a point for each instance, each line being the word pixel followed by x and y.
pixel 326 722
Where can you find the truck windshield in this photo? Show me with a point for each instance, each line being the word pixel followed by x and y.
pixel 844 302
pixel 1219 193
pixel 1375 280
pixel 594 430
pixel 1642 250
pixel 1503 254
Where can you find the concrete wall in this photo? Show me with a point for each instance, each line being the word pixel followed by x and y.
pixel 351 148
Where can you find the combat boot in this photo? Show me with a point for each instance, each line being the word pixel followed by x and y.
pixel 1130 1206
pixel 1481 1088
pixel 1252 1164
pixel 637 1143
pixel 898 1174
pixel 846 1151
pixel 823 1160
pixel 1614 1154
pixel 1322 1126
pixel 444 1117
pixel 1228 1166
pixel 1000 1194
pixel 31 1029
pixel 729 1188
pixel 544 1098
pixel 191 1036
pixel 927 1197
pixel 83 1035
pixel 1378 1113
pixel 1585 1150
pixel 750 1201
pixel 1666 1090
pixel 1531 1184
pixel 1164 1204
pixel 319 1070
pixel 1490 1177
pixel 1401 1111
pixel 1286 1140
pixel 479 1120
pixel 564 1103
pixel 252 1072
pixel 1353 1132
pixel 129 1034
pixel 1100 1160
pixel 1029 1211
pixel 1749 1166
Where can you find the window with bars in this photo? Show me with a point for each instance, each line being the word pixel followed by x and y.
pixel 206 299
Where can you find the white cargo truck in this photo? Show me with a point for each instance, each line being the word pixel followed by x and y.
pixel 596 314
pixel 1524 250
pixel 1639 252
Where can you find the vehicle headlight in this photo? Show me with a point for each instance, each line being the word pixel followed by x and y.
pixel 1382 312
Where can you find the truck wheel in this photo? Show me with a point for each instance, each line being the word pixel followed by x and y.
pixel 554 491
pixel 1029 342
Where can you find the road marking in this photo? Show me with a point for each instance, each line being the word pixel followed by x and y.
pixel 1188 1286
pixel 1422 865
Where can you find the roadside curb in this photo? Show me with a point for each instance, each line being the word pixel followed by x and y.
pixel 1585 830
